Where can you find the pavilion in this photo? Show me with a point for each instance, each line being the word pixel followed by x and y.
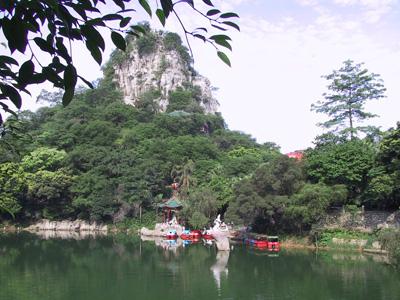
pixel 170 208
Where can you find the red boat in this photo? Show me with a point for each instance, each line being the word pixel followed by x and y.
pixel 207 236
pixel 256 243
pixel 191 235
pixel 273 244
pixel 171 235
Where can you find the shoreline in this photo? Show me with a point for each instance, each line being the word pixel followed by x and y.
pixel 79 229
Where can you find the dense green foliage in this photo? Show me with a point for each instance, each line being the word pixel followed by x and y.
pixel 100 159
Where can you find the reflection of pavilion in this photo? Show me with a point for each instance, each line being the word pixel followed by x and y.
pixel 220 267
pixel 170 208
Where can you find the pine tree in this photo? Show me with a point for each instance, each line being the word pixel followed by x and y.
pixel 350 88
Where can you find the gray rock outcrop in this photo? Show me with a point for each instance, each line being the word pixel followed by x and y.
pixel 162 70
pixel 77 225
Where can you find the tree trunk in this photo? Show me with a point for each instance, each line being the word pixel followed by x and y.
pixel 351 124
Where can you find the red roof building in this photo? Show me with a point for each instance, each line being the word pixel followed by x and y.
pixel 298 154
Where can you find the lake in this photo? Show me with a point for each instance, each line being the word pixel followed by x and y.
pixel 124 267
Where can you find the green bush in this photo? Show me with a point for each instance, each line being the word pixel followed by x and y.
pixel 390 240
pixel 324 237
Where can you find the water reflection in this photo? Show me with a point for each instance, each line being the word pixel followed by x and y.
pixel 66 235
pixel 220 267
pixel 125 267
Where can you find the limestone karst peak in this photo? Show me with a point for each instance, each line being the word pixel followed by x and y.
pixel 159 64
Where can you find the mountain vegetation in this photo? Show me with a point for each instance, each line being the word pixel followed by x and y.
pixel 101 159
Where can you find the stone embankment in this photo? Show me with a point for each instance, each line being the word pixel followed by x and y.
pixel 360 220
pixel 72 226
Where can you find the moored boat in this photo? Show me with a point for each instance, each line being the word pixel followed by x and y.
pixel 274 244
pixel 191 235
pixel 171 235
pixel 207 236
pixel 270 243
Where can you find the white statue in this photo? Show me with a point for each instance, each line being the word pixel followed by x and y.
pixel 217 222
pixel 173 221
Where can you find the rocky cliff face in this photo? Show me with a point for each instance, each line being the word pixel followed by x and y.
pixel 163 69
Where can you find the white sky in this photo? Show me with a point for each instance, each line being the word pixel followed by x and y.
pixel 279 56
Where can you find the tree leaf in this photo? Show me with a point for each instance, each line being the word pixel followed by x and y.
pixel 88 83
pixel 161 16
pixel 224 58
pixel 208 2
pixel 213 12
pixel 95 52
pixel 12 94
pixel 224 43
pixel 8 60
pixel 118 40
pixel 124 22
pixel 70 77
pixel 201 28
pixel 220 37
pixel 44 45
pixel 68 95
pixel 146 6
pixel 62 50
pixel 111 17
pixel 138 28
pixel 199 36
pixel 234 25
pixel 25 73
pixel 93 36
pixel 167 7
pixel 120 3
pixel 229 15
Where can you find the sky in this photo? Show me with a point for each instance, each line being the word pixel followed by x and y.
pixel 279 56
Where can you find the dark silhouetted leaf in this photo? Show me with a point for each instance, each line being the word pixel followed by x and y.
pixel 201 28
pixel 88 83
pixel 44 45
pixel 111 17
pixel 95 52
pixel 13 94
pixel 124 22
pixel 70 77
pixel 118 40
pixel 93 36
pixel 26 72
pixel 213 12
pixel 234 25
pixel 167 7
pixel 67 97
pixel 229 15
pixel 120 3
pixel 199 36
pixel 8 60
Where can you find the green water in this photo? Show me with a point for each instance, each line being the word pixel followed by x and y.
pixel 126 268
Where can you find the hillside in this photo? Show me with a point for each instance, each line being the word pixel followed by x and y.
pixel 116 150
